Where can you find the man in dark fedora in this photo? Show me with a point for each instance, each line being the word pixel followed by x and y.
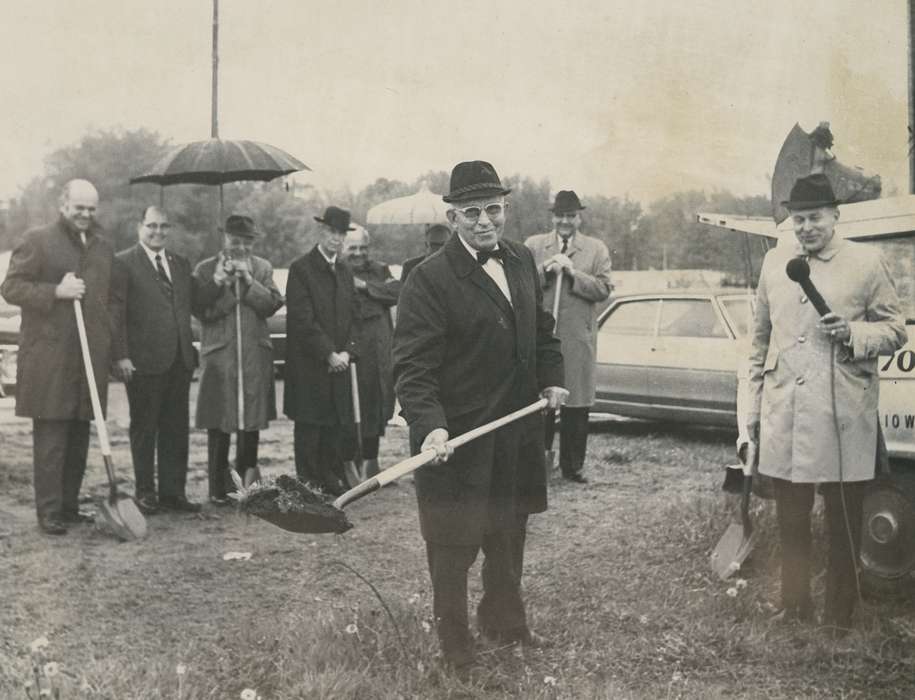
pixel 157 371
pixel 436 236
pixel 320 343
pixel 473 342
pixel 235 270
pixel 584 265
pixel 814 392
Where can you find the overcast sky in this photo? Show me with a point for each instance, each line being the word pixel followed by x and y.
pixel 637 98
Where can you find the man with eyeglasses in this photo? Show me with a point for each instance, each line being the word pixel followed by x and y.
pixel 159 364
pixel 584 264
pixel 473 343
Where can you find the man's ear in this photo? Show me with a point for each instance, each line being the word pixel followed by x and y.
pixel 452 216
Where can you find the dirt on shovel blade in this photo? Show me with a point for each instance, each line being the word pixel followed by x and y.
pixel 293 506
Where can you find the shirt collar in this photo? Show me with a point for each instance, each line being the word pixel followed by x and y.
pixel 559 240
pixel 330 261
pixel 470 249
pixel 827 252
pixel 151 254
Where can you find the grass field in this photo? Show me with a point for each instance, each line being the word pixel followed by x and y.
pixel 616 576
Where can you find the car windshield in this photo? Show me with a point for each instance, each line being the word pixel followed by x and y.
pixel 899 254
pixel 632 318
pixel 690 318
pixel 739 314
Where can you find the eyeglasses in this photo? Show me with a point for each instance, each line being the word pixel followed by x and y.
pixel 158 227
pixel 493 211
pixel 570 215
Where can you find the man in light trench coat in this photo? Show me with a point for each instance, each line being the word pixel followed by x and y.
pixel 814 390
pixel 585 266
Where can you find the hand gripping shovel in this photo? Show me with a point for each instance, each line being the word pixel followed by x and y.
pixel 119 509
pixel 354 469
pixel 319 516
pixel 738 540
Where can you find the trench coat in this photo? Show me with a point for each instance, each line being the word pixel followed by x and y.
pixel 791 361
pixel 463 356
pixel 320 319
pixel 51 380
pixel 375 330
pixel 579 303
pixel 214 305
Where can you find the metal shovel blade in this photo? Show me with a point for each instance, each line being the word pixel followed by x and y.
pixel 123 517
pixel 732 551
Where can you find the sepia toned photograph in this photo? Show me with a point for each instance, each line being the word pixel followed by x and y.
pixel 419 350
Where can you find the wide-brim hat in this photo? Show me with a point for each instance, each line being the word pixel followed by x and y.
pixel 811 192
pixel 336 218
pixel 566 201
pixel 474 178
pixel 240 225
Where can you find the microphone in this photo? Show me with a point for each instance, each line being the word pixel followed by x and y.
pixel 798 270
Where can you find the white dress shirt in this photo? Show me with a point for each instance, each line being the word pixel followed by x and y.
pixel 493 268
pixel 151 254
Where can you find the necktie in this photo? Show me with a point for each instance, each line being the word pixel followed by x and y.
pixel 163 277
pixel 565 245
pixel 484 255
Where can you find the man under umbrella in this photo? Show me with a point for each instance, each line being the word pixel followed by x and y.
pixel 473 343
pixel 217 279
pixel 584 264
pixel 376 293
pixel 320 342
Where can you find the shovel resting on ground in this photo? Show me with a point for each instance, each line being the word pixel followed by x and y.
pixel 739 539
pixel 118 509
pixel 354 469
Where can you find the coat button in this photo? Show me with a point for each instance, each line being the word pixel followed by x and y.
pixel 803 300
pixel 802 339
pixel 799 380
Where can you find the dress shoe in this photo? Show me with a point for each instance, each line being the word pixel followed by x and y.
pixel 179 505
pixel 147 505
pixel 78 517
pixel 52 525
pixel 576 477
pixel 333 485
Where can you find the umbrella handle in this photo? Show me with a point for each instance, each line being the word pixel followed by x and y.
pixel 413 463
pixel 238 357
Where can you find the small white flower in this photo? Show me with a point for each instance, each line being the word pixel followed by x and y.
pixel 249 694
pixel 352 629
pixel 85 686
pixel 676 676
pixel 51 669
pixel 549 680
pixel 741 583
pixel 44 693
pixel 39 644
pixel 643 619
pixel 181 669
pixel 734 567
pixel 240 556
pixel 732 592
pixel 426 626
pixel 413 599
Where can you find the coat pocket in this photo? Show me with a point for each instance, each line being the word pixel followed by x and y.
pixel 771 361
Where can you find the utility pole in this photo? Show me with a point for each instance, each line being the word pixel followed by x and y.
pixel 214 110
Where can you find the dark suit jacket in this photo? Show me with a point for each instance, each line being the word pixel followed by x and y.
pixel 320 319
pixel 463 356
pixel 408 266
pixel 157 326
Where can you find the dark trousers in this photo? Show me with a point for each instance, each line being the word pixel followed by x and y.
pixel 500 614
pixel 793 504
pixel 573 437
pixel 218 458
pixel 369 447
pixel 159 427
pixel 59 449
pixel 317 452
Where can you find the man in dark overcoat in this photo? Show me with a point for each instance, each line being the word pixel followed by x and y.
pixel 320 342
pixel 472 343
pixel 436 236
pixel 55 264
pixel 376 293
pixel 159 364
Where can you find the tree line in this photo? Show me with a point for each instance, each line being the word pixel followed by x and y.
pixel 663 235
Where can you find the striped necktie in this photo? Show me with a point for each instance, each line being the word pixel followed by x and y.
pixel 163 276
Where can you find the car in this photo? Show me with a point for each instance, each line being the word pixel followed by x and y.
pixel 673 355
pixel 10 320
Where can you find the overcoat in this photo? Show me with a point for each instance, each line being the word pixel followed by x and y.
pixel 375 331
pixel 579 303
pixel 214 305
pixel 158 322
pixel 793 372
pixel 320 319
pixel 463 356
pixel 51 382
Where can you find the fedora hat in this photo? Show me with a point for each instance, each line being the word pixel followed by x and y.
pixel 240 225
pixel 474 178
pixel 811 192
pixel 336 218
pixel 566 201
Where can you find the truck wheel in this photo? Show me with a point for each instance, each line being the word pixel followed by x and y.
pixel 888 534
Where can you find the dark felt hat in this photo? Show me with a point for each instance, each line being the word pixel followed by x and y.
pixel 811 192
pixel 336 218
pixel 566 201
pixel 240 225
pixel 438 232
pixel 474 178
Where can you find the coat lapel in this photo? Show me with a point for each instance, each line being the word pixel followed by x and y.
pixel 466 266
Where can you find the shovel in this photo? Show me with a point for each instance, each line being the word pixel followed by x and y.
pixel 119 509
pixel 739 539
pixel 354 469
pixel 329 517
pixel 550 456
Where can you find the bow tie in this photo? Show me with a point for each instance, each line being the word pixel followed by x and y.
pixel 484 255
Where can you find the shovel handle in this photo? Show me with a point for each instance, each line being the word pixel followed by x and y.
pixel 239 359
pixel 415 462
pixel 556 296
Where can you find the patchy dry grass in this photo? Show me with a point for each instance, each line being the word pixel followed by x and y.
pixel 617 576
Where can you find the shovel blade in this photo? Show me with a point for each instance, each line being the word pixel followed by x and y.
pixel 123 517
pixel 732 551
